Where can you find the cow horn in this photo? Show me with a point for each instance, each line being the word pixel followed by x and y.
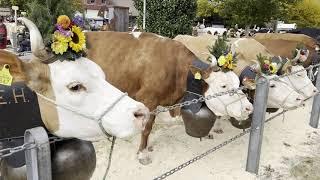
pixel 297 56
pixel 214 61
pixel 286 67
pixel 37 45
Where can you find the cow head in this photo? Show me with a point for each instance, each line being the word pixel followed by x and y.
pixel 281 95
pixel 83 105
pixel 235 104
pixel 301 55
pixel 298 81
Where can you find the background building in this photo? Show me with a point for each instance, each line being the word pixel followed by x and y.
pixel 97 11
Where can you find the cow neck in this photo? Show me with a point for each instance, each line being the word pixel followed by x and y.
pixel 248 73
pixel 195 87
pixel 19 111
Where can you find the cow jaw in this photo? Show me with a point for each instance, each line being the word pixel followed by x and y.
pixel 301 82
pixel 236 105
pixel 81 85
pixel 281 95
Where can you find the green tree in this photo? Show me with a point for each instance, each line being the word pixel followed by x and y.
pixel 249 12
pixel 168 17
pixel 206 8
pixel 21 3
pixel 45 12
pixel 252 12
pixel 306 13
pixel 5 3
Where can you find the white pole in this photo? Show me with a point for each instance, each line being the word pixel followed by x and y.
pixel 144 13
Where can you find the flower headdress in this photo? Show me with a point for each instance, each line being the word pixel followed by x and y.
pixel 226 60
pixel 68 40
pixel 266 64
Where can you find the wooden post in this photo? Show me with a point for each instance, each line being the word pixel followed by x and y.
pixel 121 18
pixel 314 119
pixel 38 159
pixel 257 125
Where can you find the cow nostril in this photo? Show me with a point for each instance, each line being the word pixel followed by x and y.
pixel 139 115
pixel 248 109
pixel 299 99
pixel 315 91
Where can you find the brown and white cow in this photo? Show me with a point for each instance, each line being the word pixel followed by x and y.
pixel 154 70
pixel 248 49
pixel 74 98
pixel 284 44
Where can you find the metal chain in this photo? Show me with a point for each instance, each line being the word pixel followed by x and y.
pixel 193 160
pixel 10 151
pixel 161 109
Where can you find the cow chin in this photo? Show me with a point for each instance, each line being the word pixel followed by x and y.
pixel 309 91
pixel 126 122
pixel 237 110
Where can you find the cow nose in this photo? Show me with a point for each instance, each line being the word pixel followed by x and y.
pixel 141 116
pixel 300 98
pixel 315 91
pixel 249 109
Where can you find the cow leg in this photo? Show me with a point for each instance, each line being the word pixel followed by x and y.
pixel 143 153
pixel 217 126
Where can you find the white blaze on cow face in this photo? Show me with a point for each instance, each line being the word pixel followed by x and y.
pixel 236 105
pixel 81 84
pixel 281 95
pixel 300 82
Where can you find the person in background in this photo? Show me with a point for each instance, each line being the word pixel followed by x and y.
pixel 3 34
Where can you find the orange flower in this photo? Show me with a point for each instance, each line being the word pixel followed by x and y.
pixel 64 21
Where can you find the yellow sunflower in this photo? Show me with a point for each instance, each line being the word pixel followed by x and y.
pixel 64 21
pixel 273 68
pixel 222 60
pixel 78 41
pixel 59 47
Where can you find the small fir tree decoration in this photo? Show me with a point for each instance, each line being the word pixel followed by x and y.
pixel 226 61
pixel 220 47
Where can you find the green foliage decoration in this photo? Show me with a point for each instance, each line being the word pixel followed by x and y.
pixel 45 12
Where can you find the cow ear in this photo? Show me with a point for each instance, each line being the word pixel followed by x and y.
pixel 287 67
pixel 201 74
pixel 249 83
pixel 196 72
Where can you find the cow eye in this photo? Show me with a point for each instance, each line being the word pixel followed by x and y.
pixel 224 86
pixel 76 87
pixel 272 85
pixel 299 75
